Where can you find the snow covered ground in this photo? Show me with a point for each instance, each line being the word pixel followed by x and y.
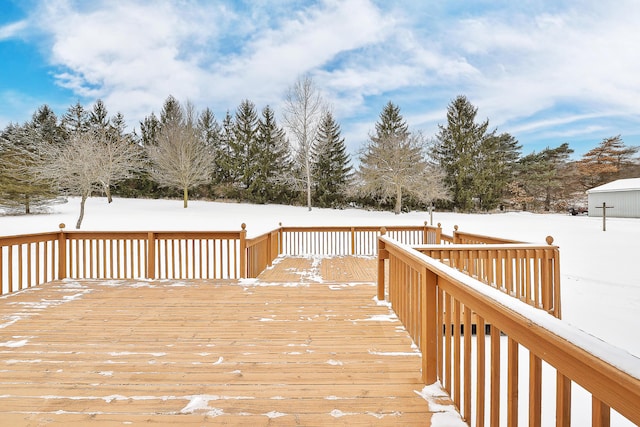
pixel 600 271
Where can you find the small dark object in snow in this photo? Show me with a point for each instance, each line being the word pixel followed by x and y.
pixel 579 210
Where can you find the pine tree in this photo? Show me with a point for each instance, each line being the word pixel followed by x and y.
pixel 20 146
pixel 273 161
pixel 210 131
pixel 459 152
pixel 330 165
pixel 243 146
pixel 224 160
pixel 495 168
pixel 392 163
pixel 76 119
pixel 543 177
pixel 605 162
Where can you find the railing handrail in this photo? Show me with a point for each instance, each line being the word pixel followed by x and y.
pixel 458 235
pixel 610 374
pixel 28 238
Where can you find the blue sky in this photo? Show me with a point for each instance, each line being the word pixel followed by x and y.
pixel 547 72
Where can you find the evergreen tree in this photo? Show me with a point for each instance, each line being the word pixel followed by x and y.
pixel 392 164
pixel 172 111
pixel 76 119
pixel 210 131
pixel 273 161
pixel 149 128
pixel 45 123
pixel 330 165
pixel 20 146
pixel 224 161
pixel 495 168
pixel 459 151
pixel 98 117
pixel 541 178
pixel 605 162
pixel 243 146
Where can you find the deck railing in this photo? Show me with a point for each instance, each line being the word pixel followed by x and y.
pixel 28 260
pixel 528 272
pixel 436 303
pixel 31 260
pixel 34 259
pixel 360 240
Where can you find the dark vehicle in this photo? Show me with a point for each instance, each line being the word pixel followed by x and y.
pixel 578 210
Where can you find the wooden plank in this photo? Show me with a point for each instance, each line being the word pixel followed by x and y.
pixel 176 352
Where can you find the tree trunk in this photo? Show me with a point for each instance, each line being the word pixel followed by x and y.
pixel 308 185
pixel 27 205
pixel 185 196
pixel 107 192
pixel 82 201
pixel 398 207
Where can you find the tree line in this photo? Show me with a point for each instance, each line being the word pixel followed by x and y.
pixel 250 156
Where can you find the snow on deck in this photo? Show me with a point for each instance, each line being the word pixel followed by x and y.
pixel 309 351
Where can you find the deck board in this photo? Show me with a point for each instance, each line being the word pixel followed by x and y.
pixel 304 344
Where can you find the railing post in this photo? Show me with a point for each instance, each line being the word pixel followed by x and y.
pixel 563 401
pixel 600 413
pixel 554 279
pixel 269 248
pixel 382 255
pixel 243 251
pixel 439 235
pixel 62 253
pixel 151 255
pixel 353 241
pixel 280 238
pixel 429 338
pixel 455 235
pixel 425 234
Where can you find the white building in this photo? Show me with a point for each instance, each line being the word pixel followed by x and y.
pixel 623 195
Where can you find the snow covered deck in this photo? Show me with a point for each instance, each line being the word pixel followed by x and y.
pixel 304 344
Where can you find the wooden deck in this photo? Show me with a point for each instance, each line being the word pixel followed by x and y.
pixel 304 344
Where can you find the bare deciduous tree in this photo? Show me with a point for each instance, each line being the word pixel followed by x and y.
pixel 74 166
pixel 396 165
pixel 303 110
pixel 120 159
pixel 393 162
pixel 180 157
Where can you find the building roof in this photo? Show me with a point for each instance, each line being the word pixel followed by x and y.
pixel 629 184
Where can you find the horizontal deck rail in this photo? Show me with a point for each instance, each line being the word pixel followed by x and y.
pixel 463 237
pixel 33 259
pixel 429 296
pixel 528 272
pixel 359 240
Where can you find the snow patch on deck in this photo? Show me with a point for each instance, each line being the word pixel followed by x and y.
pixel 444 415
pixel 14 344
pixel 275 414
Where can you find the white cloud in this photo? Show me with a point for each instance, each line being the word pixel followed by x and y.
pixel 517 62
pixel 12 30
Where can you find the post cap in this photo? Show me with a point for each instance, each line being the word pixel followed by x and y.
pixel 61 225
